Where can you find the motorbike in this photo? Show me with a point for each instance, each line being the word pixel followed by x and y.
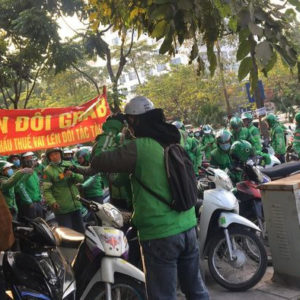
pixel 37 270
pixel 100 266
pixel 283 170
pixel 274 160
pixel 236 256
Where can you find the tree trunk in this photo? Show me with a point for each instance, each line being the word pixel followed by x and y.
pixel 221 67
pixel 257 95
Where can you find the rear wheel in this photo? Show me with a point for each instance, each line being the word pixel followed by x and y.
pixel 124 288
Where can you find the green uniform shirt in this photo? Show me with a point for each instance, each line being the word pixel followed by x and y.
pixel 144 159
pixel 220 159
pixel 61 189
pixel 254 138
pixel 208 144
pixel 296 141
pixel 243 134
pixel 278 139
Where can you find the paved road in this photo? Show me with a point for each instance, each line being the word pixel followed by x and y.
pixel 264 290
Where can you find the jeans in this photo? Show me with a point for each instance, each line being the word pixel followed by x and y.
pixel 32 211
pixel 71 220
pixel 167 258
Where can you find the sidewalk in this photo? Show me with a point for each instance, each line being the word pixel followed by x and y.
pixel 264 290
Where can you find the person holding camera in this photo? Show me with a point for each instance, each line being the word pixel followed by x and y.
pixel 60 190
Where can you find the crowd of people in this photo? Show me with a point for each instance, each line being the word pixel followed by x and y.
pixel 125 154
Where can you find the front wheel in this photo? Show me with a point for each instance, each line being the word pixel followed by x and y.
pixel 244 270
pixel 124 288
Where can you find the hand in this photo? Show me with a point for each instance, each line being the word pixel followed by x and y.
pixel 73 169
pixel 26 171
pixel 68 173
pixel 120 117
pixel 55 206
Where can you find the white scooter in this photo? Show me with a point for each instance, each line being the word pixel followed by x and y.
pixel 99 265
pixel 274 160
pixel 236 257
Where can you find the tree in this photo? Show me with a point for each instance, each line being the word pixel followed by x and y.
pixel 263 28
pixel 188 97
pixel 30 44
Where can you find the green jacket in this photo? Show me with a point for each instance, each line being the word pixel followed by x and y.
pixel 8 185
pixel 220 159
pixel 92 187
pixel 143 158
pixel 61 189
pixel 32 186
pixel 296 141
pixel 243 134
pixel 208 144
pixel 278 139
pixel 254 138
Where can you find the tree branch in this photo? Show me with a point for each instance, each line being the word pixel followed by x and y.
pixel 106 29
pixel 32 87
pixel 88 77
pixel 131 43
pixel 4 98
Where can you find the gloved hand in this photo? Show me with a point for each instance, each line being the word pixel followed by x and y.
pixel 26 171
pixel 119 116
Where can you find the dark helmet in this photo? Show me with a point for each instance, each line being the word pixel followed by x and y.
pixel 51 150
pixel 85 153
pixel 12 156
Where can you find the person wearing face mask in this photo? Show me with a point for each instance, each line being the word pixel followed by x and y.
pixel 9 181
pixel 167 237
pixel 60 190
pixel 220 156
pixel 15 160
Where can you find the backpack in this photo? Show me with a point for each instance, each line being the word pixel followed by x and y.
pixel 181 178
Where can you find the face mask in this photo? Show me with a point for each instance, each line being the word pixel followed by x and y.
pixel 225 147
pixel 10 172
pixel 17 163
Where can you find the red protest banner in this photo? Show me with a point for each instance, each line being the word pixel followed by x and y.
pixel 24 130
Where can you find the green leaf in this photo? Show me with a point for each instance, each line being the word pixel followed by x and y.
pixel 244 68
pixel 253 80
pixel 263 52
pixel 233 23
pixel 255 29
pixel 243 50
pixel 160 29
pixel 211 57
pixel 165 11
pixel 194 52
pixel 167 43
pixel 244 34
pixel 185 4
pixel 271 62
pixel 285 56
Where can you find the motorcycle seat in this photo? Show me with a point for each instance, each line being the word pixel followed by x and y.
pixel 67 237
pixel 282 170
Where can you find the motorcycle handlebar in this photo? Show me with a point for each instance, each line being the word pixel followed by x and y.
pixel 89 204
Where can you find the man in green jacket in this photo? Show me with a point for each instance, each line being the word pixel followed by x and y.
pixel 220 156
pixel 296 140
pixel 92 185
pixel 9 181
pixel 208 143
pixel 28 191
pixel 277 136
pixel 60 191
pixel 254 133
pixel 168 238
pixel 237 130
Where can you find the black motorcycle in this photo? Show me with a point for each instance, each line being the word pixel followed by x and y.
pixel 37 270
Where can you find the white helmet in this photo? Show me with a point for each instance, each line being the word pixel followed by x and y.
pixel 28 154
pixel 138 106
pixel 178 124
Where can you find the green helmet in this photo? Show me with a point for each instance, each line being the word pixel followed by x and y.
pixel 271 119
pixel 51 150
pixel 236 123
pixel 297 118
pixel 224 139
pixel 85 153
pixel 4 164
pixel 247 115
pixel 241 150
